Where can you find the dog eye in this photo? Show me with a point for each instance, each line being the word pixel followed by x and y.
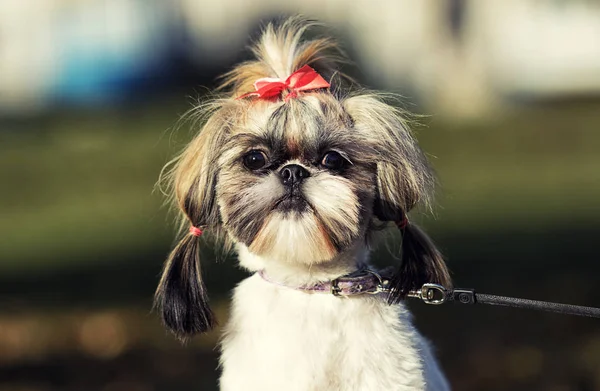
pixel 255 160
pixel 333 161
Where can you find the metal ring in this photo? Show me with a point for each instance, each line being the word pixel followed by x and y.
pixel 433 294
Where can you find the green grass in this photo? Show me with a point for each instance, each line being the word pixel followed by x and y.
pixel 530 168
pixel 80 185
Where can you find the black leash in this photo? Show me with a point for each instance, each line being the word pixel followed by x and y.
pixel 437 294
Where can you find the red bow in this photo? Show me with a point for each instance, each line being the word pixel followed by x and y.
pixel 303 79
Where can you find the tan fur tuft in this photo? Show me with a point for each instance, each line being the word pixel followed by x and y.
pixel 403 172
pixel 280 52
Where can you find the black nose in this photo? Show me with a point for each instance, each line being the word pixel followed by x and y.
pixel 293 174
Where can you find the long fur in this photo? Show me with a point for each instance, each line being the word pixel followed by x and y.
pixel 182 297
pixel 421 263
pixel 280 51
pixel 316 230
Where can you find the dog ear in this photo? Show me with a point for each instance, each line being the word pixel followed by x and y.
pixel 181 296
pixel 404 178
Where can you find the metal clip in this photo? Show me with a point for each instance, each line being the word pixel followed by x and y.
pixel 430 294
pixel 335 288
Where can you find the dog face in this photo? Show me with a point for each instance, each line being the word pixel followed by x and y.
pixel 301 181
pixel 296 180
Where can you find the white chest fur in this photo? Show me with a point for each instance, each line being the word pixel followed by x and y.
pixel 282 339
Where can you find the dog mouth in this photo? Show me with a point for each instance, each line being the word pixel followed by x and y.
pixel 292 202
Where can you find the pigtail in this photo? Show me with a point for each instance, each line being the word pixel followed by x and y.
pixel 181 297
pixel 403 180
pixel 421 263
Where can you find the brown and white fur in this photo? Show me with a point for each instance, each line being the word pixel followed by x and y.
pixel 317 229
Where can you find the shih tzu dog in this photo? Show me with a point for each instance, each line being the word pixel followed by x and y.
pixel 297 173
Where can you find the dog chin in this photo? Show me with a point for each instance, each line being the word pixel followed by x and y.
pixel 292 233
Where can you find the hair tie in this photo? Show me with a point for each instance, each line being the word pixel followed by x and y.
pixel 197 232
pixel 404 222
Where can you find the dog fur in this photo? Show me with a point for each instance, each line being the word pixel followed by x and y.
pixel 318 230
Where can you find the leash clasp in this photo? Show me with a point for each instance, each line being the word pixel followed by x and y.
pixel 430 294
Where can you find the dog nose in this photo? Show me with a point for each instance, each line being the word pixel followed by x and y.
pixel 293 174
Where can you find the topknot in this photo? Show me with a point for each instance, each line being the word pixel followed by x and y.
pixel 281 50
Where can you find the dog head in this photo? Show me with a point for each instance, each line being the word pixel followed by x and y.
pixel 298 176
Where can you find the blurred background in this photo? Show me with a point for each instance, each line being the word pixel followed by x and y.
pixel 91 93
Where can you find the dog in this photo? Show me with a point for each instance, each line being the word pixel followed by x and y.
pixel 297 173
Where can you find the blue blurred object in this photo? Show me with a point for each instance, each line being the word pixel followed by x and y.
pixel 107 53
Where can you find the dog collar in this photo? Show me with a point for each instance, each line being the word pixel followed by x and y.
pixel 363 281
